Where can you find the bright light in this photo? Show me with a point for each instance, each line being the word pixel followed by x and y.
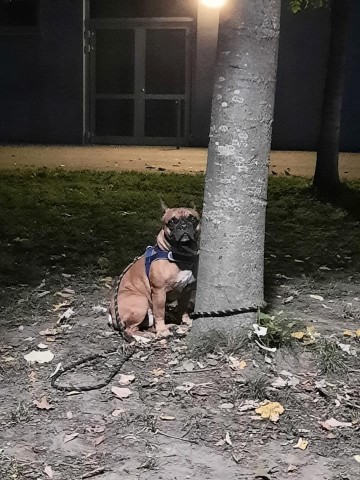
pixel 213 3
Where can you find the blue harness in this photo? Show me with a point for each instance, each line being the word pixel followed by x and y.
pixel 155 253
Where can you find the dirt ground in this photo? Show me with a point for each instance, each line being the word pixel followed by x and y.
pixel 184 160
pixel 184 418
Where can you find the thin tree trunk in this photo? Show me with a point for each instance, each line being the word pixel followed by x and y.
pixel 233 226
pixel 326 179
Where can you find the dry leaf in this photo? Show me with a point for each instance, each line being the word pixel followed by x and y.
pixel 99 440
pixel 69 415
pixel 227 406
pixel 248 405
pixel 301 444
pixel 42 346
pixel 220 443
pixel 126 379
pixel 279 383
pixel 228 439
pixel 188 366
pixel 357 333
pixel 236 364
pixel 167 417
pixel 349 333
pixel 48 471
pixel 357 458
pixel 39 357
pixel 158 372
pixel 66 315
pixel 49 332
pixel 117 412
pixel 333 423
pixel 259 331
pixel 70 437
pixel 317 297
pixel 298 335
pixel 32 376
pixel 186 387
pixel 43 404
pixel 121 392
pixel 271 410
pixel 99 309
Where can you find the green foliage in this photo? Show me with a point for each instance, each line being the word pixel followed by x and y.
pixel 299 5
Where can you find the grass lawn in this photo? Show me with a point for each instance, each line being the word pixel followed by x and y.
pixel 193 409
pixel 81 221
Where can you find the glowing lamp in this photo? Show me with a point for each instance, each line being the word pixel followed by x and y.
pixel 213 3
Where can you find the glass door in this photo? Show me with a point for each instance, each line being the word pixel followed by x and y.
pixel 140 82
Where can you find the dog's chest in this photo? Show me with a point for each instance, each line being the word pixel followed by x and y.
pixel 183 279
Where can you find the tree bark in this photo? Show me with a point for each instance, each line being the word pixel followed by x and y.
pixel 233 223
pixel 326 179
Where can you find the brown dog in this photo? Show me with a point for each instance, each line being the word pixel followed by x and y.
pixel 165 273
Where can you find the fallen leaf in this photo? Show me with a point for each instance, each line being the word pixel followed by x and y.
pixel 279 383
pixel 50 332
pixel 8 358
pixel 220 443
pixel 288 299
pixel 236 363
pixel 70 437
pixel 126 379
pixel 357 333
pixel 301 444
pixel 43 404
pixel 317 297
pixel 357 458
pixel 34 356
pixel 228 439
pixel 48 471
pixel 347 349
pixel 121 392
pixel 292 382
pixel 333 423
pixel 32 376
pixel 298 335
pixel 248 405
pixel 99 440
pixel 349 333
pixel 260 472
pixel 69 415
pixel 271 410
pixel 166 417
pixel 66 315
pixel 99 309
pixel 42 346
pixel 186 387
pixel 259 331
pixel 227 406
pixel 117 412
pixel 188 366
pixel 158 372
pixel 42 294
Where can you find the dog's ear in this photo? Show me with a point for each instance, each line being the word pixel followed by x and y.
pixel 163 206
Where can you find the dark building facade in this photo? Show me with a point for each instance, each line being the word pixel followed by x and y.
pixel 141 72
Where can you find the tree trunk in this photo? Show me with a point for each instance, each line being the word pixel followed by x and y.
pixel 233 224
pixel 326 179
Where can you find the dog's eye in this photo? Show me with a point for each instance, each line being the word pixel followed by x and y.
pixel 172 222
pixel 193 219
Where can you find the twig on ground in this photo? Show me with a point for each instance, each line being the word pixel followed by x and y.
pixel 197 371
pixel 173 436
pixel 93 473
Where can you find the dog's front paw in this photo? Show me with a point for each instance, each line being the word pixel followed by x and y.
pixel 186 320
pixel 163 333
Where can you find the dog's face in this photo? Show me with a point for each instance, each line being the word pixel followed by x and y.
pixel 181 226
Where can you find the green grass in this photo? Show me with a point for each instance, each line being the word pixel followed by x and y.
pixel 81 221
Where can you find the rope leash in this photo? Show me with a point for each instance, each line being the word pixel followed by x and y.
pixel 130 351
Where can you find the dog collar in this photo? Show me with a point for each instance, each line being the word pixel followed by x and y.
pixel 155 253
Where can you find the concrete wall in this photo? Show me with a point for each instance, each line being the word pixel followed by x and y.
pixel 41 78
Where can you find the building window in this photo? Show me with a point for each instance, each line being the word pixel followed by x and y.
pixel 18 14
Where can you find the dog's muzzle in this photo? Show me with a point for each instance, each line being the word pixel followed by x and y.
pixel 183 232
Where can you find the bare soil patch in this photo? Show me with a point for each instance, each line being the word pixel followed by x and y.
pixel 186 417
